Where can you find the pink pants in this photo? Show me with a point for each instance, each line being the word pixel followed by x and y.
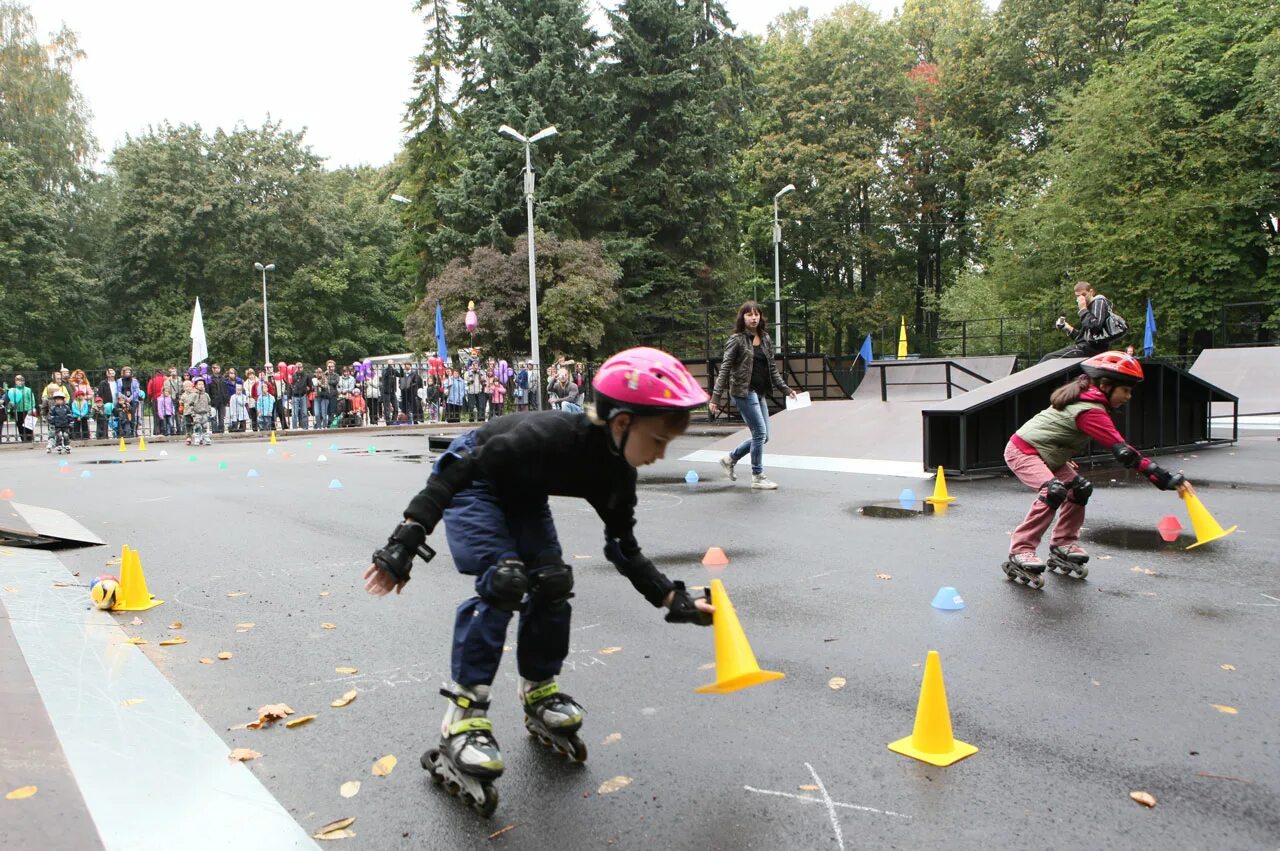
pixel 1032 472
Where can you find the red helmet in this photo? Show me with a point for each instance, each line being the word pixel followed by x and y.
pixel 645 381
pixel 1119 367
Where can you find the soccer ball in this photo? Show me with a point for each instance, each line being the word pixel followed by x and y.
pixel 105 591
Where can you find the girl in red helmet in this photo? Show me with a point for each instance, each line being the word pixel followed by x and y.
pixel 1040 454
pixel 491 488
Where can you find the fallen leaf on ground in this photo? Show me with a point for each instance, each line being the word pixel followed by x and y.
pixel 205 660
pixel 225 655
pixel 59 585
pixel 808 787
pixel 235 593
pixel 298 722
pixel 609 651
pixel 1147 571
pixel 10 589
pixel 273 711
pixel 243 755
pixel 612 738
pixel 581 557
pixel 349 789
pixel 133 701
pixel 613 785
pixel 327 626
pixel 384 766
pixel 1225 710
pixel 135 640
pixel 836 682
pixel 333 827
pixel 337 834
pixel 23 792
pixel 240 626
pixel 498 833
pixel 324 593
pixel 345 699
pixel 1227 667
pixel 883 576
pixel 707 667
pixel 346 670
pixel 176 625
pixel 169 642
pixel 1144 798
pixel 137 621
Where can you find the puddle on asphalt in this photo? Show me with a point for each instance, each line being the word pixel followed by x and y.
pixel 120 461
pixel 894 510
pixel 694 557
pixel 354 451
pixel 415 458
pixel 1135 538
pixel 679 482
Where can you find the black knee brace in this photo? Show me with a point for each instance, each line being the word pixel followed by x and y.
pixel 551 584
pixel 1081 490
pixel 1054 493
pixel 506 585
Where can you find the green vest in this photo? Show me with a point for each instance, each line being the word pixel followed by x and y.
pixel 1054 434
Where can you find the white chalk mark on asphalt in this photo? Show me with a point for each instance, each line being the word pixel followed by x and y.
pixel 1269 597
pixel 820 575
pixel 588 626
pixel 830 805
pixel 827 802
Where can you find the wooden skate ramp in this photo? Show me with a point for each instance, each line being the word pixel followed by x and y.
pixel 35 526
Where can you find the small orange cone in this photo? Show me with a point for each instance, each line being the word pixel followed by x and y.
pixel 715 557
pixel 134 596
pixel 6 494
pixel 1206 528
pixel 142 443
pixel 273 437
pixel 931 740
pixel 940 495
pixel 122 446
pixel 736 666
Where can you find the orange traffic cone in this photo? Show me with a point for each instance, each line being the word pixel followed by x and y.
pixel 1206 528
pixel 940 495
pixel 736 666
pixel 6 494
pixel 715 557
pixel 134 596
pixel 931 740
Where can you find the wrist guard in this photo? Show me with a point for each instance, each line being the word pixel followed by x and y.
pixel 683 609
pixel 644 575
pixel 1162 478
pixel 396 556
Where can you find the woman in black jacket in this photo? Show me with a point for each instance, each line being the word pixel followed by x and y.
pixel 747 373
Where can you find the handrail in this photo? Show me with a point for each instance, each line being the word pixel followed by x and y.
pixel 947 365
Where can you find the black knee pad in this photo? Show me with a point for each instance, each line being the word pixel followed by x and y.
pixel 1081 490
pixel 505 585
pixel 1055 493
pixel 551 584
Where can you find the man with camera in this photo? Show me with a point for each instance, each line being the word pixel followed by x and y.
pixel 1100 326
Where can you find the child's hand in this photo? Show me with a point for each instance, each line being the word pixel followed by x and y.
pixel 379 582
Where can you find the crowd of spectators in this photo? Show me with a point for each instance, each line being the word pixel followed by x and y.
pixel 170 402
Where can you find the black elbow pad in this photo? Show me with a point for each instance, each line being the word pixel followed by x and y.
pixel 1126 455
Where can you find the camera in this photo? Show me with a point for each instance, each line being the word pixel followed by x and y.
pixel 1060 323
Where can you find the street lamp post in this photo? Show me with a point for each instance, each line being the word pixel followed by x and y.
pixel 777 275
pixel 266 340
pixel 533 273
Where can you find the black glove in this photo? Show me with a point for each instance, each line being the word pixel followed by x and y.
pixel 683 609
pixel 644 574
pixel 396 557
pixel 1162 478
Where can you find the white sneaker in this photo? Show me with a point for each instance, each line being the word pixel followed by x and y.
pixel 726 464
pixel 759 482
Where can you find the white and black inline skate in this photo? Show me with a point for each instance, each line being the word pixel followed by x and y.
pixel 468 760
pixel 1070 560
pixel 553 717
pixel 1025 569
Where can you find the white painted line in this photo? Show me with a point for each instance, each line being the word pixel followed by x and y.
pixel 1269 597
pixel 153 775
pixel 811 800
pixel 827 464
pixel 830 805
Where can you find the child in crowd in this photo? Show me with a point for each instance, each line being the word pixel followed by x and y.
pixel 99 414
pixel 238 409
pixel 497 396
pixel 81 408
pixel 124 415
pixel 491 488
pixel 201 406
pixel 358 407
pixel 266 405
pixel 59 422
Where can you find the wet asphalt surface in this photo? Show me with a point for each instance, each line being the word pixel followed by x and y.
pixel 1076 695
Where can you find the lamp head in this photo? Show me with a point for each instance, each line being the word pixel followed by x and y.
pixel 512 133
pixel 790 187
pixel 258 266
pixel 544 133
pixel 271 267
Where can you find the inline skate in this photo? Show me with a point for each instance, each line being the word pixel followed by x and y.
pixel 553 717
pixel 468 760
pixel 1070 560
pixel 1025 569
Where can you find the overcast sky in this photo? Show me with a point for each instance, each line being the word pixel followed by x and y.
pixel 344 76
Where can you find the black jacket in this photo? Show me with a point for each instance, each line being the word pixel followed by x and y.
pixel 217 390
pixel 299 386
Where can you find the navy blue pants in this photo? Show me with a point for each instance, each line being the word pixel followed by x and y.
pixel 482 530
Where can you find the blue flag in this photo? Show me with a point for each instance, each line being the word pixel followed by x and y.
pixel 441 350
pixel 865 351
pixel 1149 335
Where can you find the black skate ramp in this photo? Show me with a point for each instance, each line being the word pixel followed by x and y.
pixel 927 379
pixel 35 526
pixel 1250 373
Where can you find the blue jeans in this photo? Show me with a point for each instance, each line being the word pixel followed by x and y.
pixel 755 413
pixel 300 411
pixel 323 408
pixel 481 529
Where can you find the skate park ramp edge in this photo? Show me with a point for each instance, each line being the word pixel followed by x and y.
pixel 1250 373
pixel 36 526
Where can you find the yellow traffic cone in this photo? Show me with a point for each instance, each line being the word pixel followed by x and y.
pixel 902 340
pixel 940 495
pixel 931 740
pixel 736 666
pixel 122 446
pixel 142 444
pixel 1207 529
pixel 134 596
pixel 273 437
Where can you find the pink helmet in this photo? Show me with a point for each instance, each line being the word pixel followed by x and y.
pixel 645 381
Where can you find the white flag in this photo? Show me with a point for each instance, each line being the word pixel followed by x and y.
pixel 199 348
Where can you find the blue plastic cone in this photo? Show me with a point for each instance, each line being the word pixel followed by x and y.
pixel 252 474
pixel 907 498
pixel 691 477
pixel 335 485
pixel 86 475
pixel 62 463
pixel 333 446
pixel 948 599
pixel 222 465
pixel 271 450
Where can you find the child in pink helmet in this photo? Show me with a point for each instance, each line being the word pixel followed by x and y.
pixel 491 488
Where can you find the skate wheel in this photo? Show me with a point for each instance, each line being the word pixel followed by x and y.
pixel 579 752
pixel 452 788
pixel 490 802
pixel 1037 583
pixel 1082 571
